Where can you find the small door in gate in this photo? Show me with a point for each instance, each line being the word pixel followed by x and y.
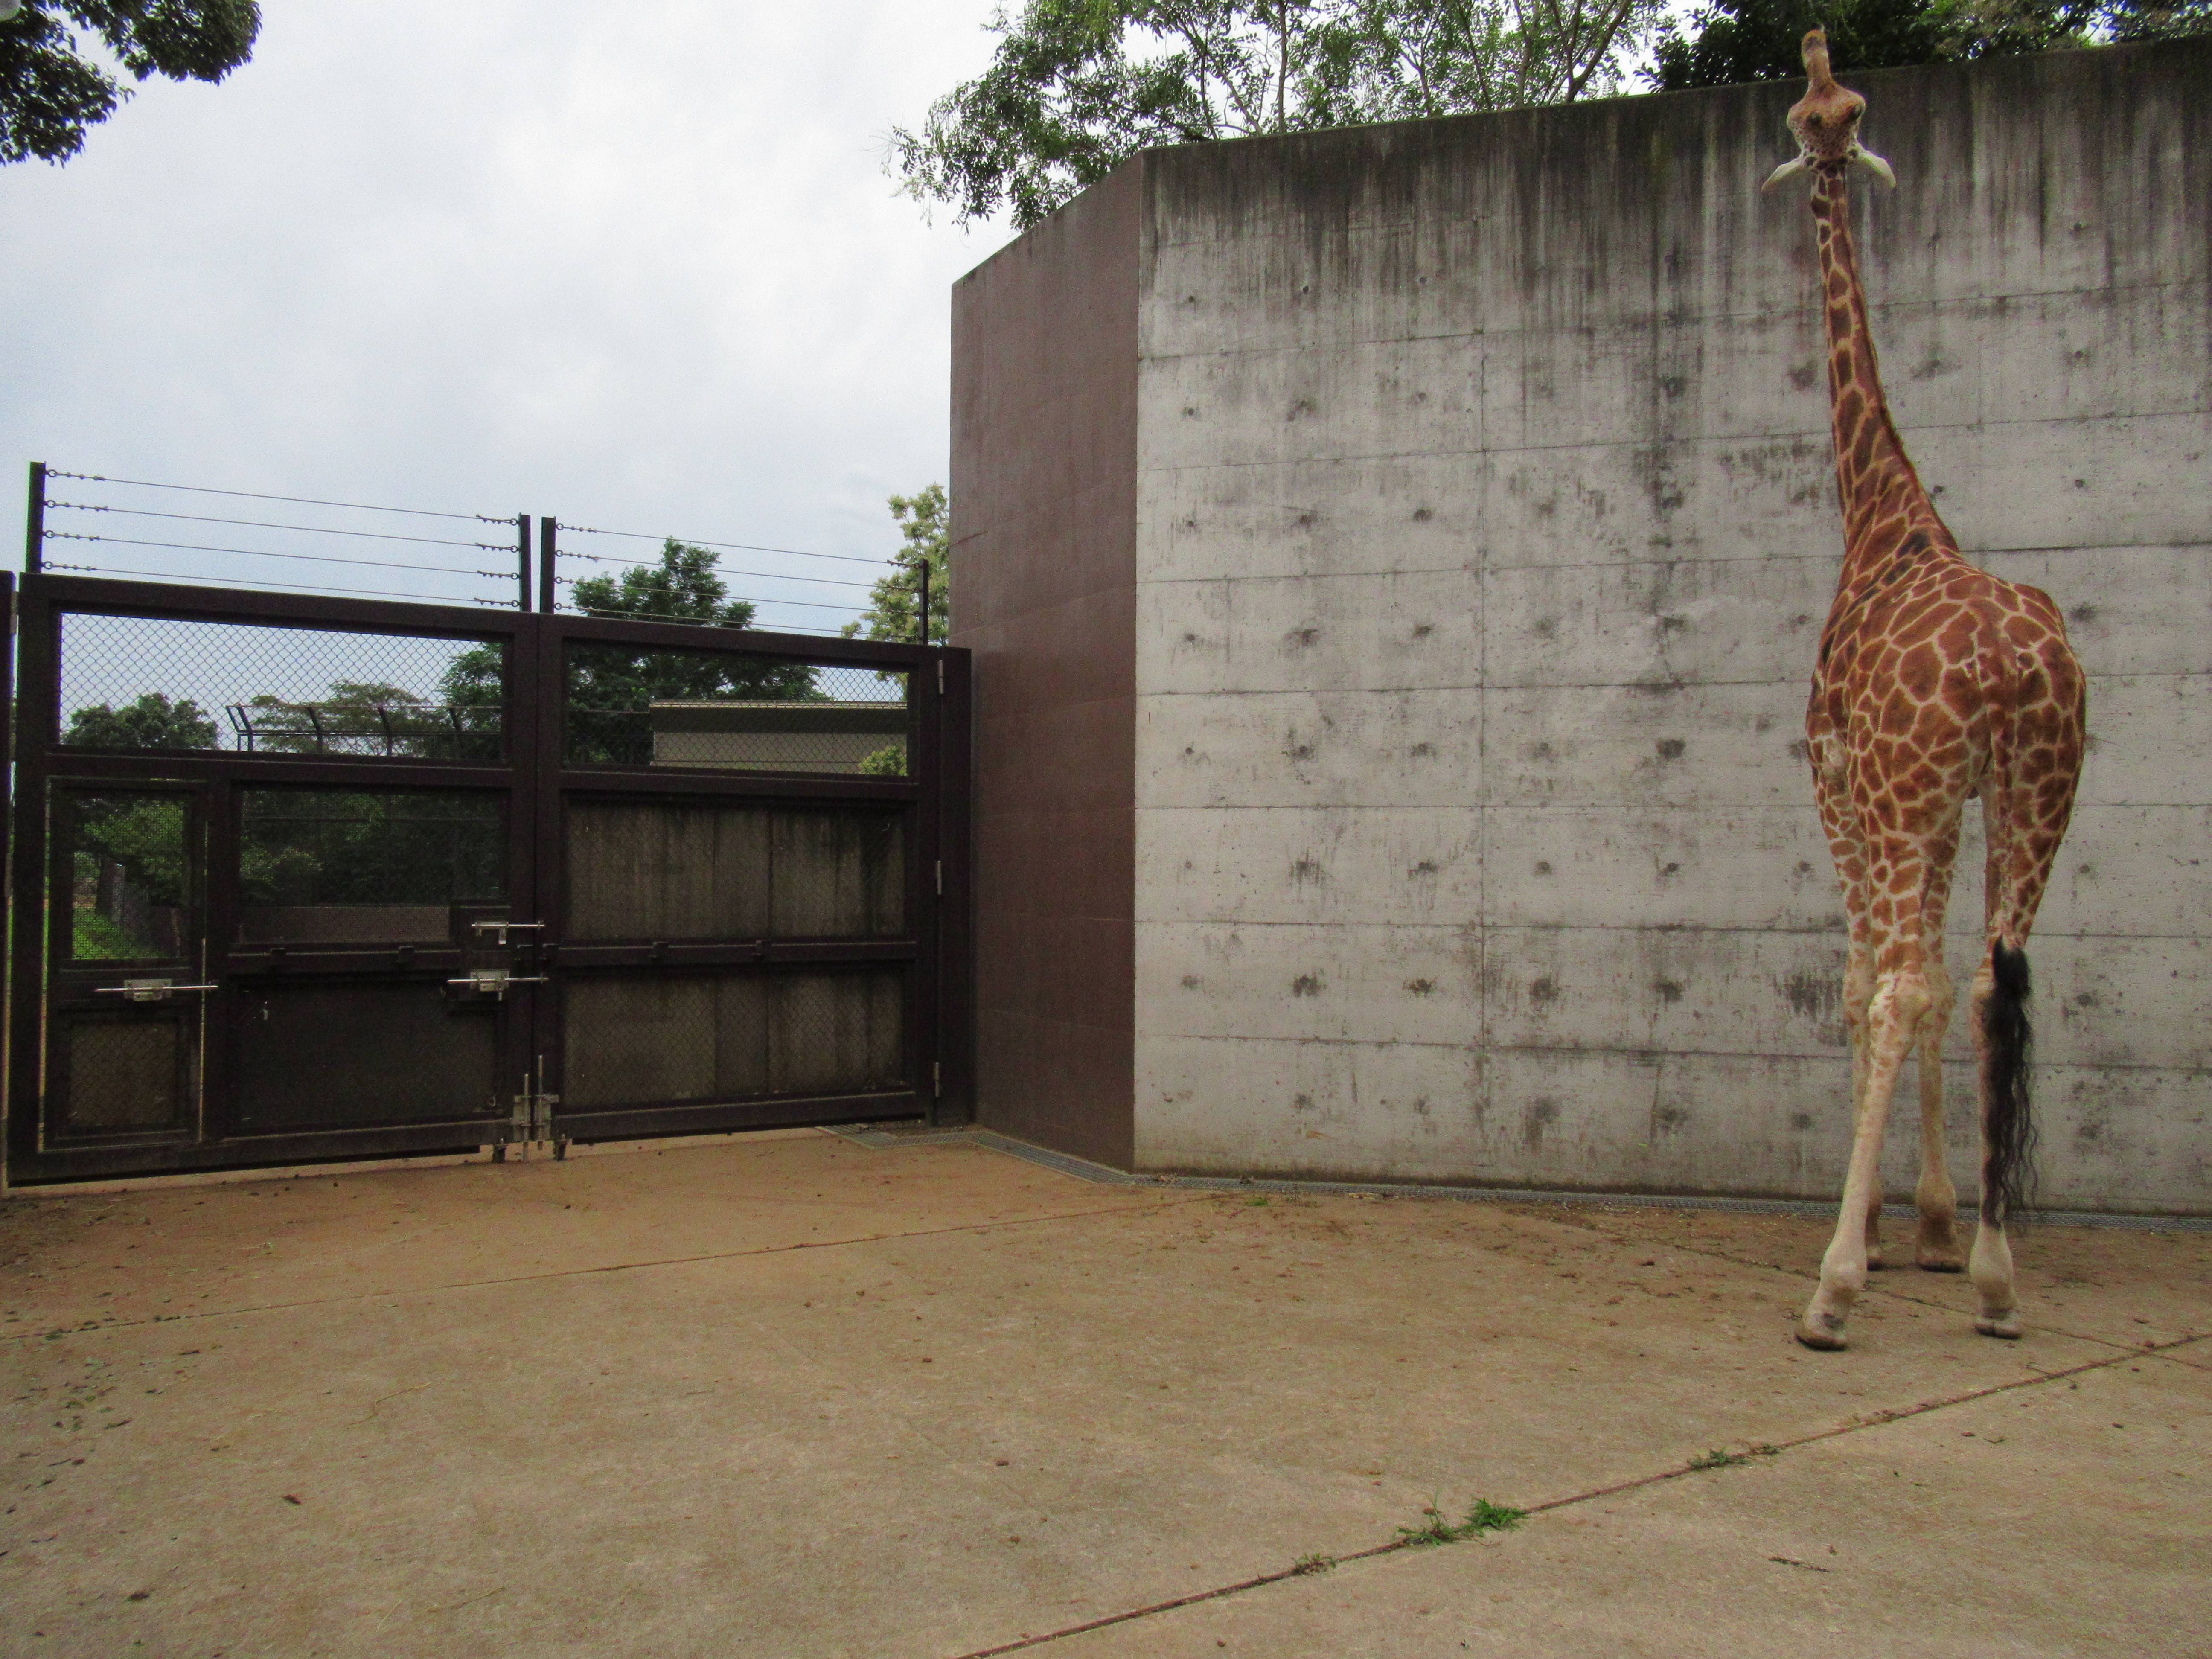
pixel 125 1007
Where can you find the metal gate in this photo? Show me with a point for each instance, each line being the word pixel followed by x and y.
pixel 307 879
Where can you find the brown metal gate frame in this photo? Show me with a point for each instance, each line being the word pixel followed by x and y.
pixel 539 785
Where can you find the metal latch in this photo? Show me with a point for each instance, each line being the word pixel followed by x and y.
pixel 149 990
pixel 487 981
pixel 530 1123
pixel 502 929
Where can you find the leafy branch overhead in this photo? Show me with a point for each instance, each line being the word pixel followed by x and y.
pixel 1731 41
pixel 53 89
pixel 1076 87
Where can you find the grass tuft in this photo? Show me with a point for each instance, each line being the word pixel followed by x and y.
pixel 1435 1528
pixel 1721 1458
pixel 1315 1563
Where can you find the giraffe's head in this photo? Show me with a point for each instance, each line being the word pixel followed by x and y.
pixel 1825 123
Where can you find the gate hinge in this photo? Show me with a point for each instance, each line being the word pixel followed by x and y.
pixel 940 878
pixel 937 1079
pixel 940 677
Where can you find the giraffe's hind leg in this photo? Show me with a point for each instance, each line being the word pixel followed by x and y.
pixel 1936 1248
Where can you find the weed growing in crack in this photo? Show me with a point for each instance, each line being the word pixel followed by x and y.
pixel 1315 1563
pixel 1484 1516
pixel 1720 1458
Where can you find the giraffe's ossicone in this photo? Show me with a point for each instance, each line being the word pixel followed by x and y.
pixel 1935 682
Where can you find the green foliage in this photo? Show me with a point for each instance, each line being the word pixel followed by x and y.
pixel 888 762
pixel 1076 87
pixel 300 847
pixel 611 688
pixel 152 722
pixel 1483 1517
pixel 924 519
pixel 358 716
pixel 95 938
pixel 51 91
pixel 1733 41
pixel 1721 1458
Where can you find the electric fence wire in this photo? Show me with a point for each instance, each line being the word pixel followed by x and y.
pixel 731 547
pixel 265 524
pixel 390 564
pixel 257 496
pixel 263 553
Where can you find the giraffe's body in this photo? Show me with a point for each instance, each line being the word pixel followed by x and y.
pixel 1935 682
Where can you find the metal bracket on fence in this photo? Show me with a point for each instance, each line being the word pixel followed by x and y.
pixel 500 928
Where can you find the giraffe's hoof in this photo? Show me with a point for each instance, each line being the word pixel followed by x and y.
pixel 1875 1261
pixel 1937 1250
pixel 1821 1331
pixel 2005 1325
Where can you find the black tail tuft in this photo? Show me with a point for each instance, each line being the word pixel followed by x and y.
pixel 2008 1127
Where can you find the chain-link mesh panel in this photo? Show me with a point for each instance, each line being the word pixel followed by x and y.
pixel 646 870
pixel 639 1040
pixel 168 683
pixel 130 875
pixel 727 712
pixel 375 1052
pixel 370 866
pixel 122 1073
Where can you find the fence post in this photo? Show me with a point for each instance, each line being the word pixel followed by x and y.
pixel 522 555
pixel 34 521
pixel 549 594
pixel 921 570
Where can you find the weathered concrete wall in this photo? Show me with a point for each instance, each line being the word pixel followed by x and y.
pixel 1484 525
pixel 1044 424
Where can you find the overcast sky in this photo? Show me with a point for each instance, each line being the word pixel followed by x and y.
pixel 637 266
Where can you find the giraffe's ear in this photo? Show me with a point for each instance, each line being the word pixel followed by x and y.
pixel 1874 164
pixel 1789 169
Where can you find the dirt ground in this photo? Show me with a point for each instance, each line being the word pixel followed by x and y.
pixel 795 1395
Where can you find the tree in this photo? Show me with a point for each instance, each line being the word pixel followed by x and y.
pixel 51 91
pixel 152 722
pixel 1076 87
pixel 923 519
pixel 1734 41
pixel 610 688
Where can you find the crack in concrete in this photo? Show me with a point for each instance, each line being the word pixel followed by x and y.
pixel 95 1329
pixel 1873 1419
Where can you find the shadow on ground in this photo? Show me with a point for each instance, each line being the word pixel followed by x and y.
pixel 793 1395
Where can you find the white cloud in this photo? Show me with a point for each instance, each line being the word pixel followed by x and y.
pixel 635 265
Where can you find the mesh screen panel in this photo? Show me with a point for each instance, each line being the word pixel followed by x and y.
pixel 343 1056
pixel 160 682
pixel 123 1073
pixel 368 865
pixel 130 867
pixel 638 1039
pixel 724 711
pixel 645 871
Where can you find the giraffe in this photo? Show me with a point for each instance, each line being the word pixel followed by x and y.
pixel 1935 681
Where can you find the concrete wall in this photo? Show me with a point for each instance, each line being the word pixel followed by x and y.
pixel 1484 526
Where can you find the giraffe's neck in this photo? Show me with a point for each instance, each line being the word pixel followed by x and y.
pixel 1881 495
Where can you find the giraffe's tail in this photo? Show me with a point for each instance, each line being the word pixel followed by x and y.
pixel 2008 1121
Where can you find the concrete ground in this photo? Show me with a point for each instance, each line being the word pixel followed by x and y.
pixel 795 1395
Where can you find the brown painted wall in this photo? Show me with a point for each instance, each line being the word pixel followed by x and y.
pixel 1044 438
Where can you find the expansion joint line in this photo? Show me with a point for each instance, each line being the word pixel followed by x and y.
pixel 1636 1483
pixel 101 1328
